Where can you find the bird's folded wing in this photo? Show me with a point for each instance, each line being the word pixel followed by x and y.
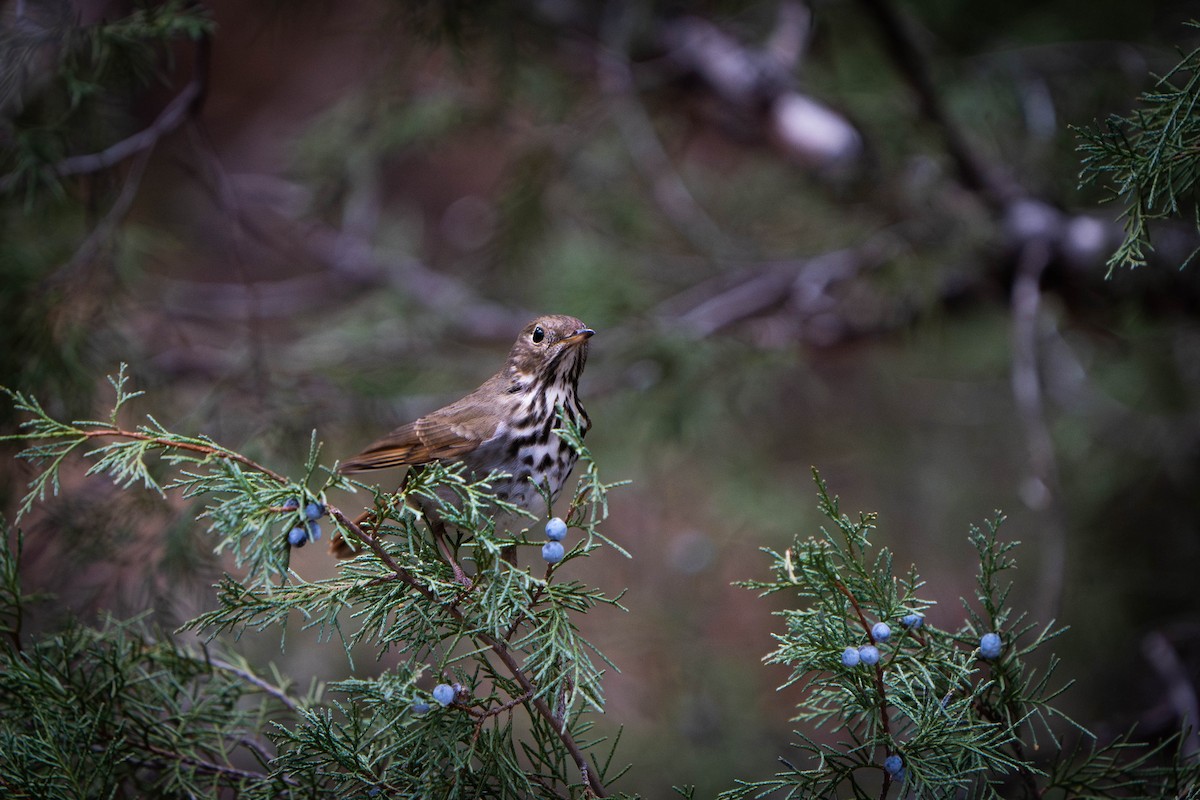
pixel 427 439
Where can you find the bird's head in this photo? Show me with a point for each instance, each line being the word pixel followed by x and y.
pixel 554 344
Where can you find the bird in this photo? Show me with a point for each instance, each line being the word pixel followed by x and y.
pixel 507 424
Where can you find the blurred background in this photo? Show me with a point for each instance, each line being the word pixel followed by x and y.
pixel 847 235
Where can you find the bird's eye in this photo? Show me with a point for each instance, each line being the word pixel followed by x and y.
pixel 538 334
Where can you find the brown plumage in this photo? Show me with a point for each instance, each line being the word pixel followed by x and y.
pixel 506 424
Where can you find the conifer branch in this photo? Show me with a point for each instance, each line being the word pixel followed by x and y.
pixel 1148 161
pixel 400 592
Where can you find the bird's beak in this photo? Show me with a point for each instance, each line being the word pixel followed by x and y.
pixel 579 337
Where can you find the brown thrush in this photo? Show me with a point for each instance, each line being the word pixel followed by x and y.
pixel 507 424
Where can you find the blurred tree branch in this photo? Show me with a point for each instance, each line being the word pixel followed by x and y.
pixel 756 91
pixel 1042 490
pixel 975 173
pixel 187 104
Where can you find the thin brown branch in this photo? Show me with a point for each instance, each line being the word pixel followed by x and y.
pixel 807 288
pixel 190 446
pixel 862 618
pixel 884 714
pixel 223 772
pixel 537 595
pixel 500 709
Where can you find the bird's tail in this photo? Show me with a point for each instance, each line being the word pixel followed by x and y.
pixel 376 458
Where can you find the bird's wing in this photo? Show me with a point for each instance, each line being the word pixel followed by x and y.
pixel 441 436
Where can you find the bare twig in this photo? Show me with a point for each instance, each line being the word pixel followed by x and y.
pixel 482 715
pixel 1042 486
pixel 251 678
pixel 805 281
pixel 804 287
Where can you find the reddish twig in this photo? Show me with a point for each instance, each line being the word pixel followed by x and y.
pixel 190 446
pixel 884 715
pixel 484 714
pixel 862 618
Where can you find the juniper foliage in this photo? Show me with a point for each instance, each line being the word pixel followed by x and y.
pixel 962 725
pixel 118 709
pixel 122 708
pixel 1149 160
pixel 525 680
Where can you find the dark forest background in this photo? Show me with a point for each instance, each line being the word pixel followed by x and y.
pixel 842 234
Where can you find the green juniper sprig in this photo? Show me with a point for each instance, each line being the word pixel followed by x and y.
pixel 918 710
pixel 1150 160
pixel 91 708
pixel 245 498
